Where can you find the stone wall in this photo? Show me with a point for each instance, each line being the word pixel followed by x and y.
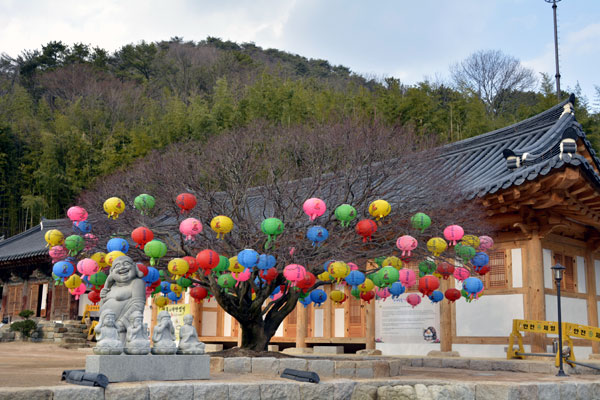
pixel 68 334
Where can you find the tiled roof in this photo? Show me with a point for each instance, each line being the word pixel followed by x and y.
pixel 30 243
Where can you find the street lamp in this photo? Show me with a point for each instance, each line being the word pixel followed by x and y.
pixel 558 271
pixel 557 76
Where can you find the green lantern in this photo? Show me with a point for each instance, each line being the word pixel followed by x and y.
pixel 426 267
pixel 420 221
pixel 389 275
pixel 222 266
pixel 345 213
pixel 57 279
pixel 378 279
pixel 464 252
pixel 272 227
pixel 97 279
pixel 74 244
pixel 155 249
pixel 226 281
pixel 355 293
pixel 184 282
pixel 144 203
pixel 379 260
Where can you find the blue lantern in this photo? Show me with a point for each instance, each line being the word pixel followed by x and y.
pixel 63 269
pixel 247 258
pixel 266 261
pixel 82 226
pixel 152 276
pixel 318 297
pixel 317 234
pixel 355 278
pixel 305 301
pixel 480 259
pixel 472 286
pixel 436 296
pixel 396 290
pixel 165 287
pixel 174 296
pixel 117 244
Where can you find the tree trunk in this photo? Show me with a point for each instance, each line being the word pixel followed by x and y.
pixel 254 336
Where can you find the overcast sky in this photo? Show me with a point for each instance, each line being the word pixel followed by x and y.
pixel 409 40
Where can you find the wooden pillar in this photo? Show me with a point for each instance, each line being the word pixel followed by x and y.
pixel 327 315
pixel 301 325
pixel 535 304
pixel 4 301
pixel 592 303
pixel 370 328
pixel 445 319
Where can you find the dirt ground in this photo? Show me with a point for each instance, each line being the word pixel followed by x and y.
pixel 24 364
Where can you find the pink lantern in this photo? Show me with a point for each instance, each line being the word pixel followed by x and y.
pixel 58 253
pixel 87 267
pixel 78 291
pixel 453 234
pixel 314 208
pixel 353 267
pixel 383 293
pixel 77 214
pixel 461 273
pixel 407 277
pixel 277 296
pixel 241 276
pixel 413 299
pixel 294 273
pixel 406 243
pixel 485 243
pixel 190 227
pixel 90 241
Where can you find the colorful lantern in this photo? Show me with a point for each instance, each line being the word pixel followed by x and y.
pixel 192 264
pixel 294 273
pixel 226 281
pixel 470 240
pixel 74 244
pixel 268 274
pixel 99 257
pixel 185 202
pixel 337 296
pixel 94 297
pixel 178 267
pixel 317 234
pixel 73 281
pixel 198 293
pixel 314 208
pixel 345 213
pixel 87 267
pixel 112 256
pixel 367 296
pixel 113 207
pixel 353 267
pixel 142 268
pixel 437 246
pixel 482 270
pixel 63 269
pixel 465 252
pixel 117 244
pixel 307 282
pixel 325 277
pixel 428 284
pixel 152 276
pixel 242 276
pixel 190 227
pixel 339 270
pixel 406 243
pixel 389 275
pixel 78 291
pixel 379 209
pixel 234 266
pixel 155 249
pixel 53 237
pixel 366 286
pixel 366 228
pixel 383 293
pixel 141 236
pixel 77 214
pixel 222 225
pixel 57 253
pixel 413 299
pixel 82 226
pixel 461 273
pixel 396 290
pixel 407 277
pixel 445 269
pixel 174 297
pixel 355 278
pixel 452 295
pixel 426 267
pixel 266 261
pixel 485 243
pixel 392 261
pixel 223 265
pixel 305 301
pixel 90 241
pixel 248 258
pixel 97 280
pixel 377 279
pixel 473 286
pixel 480 259
pixel 453 234
pixel 272 227
pixel 436 296
pixel 161 301
pixel 420 221
pixel 144 203
pixel 318 297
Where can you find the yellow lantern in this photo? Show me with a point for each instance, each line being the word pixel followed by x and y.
pixel 161 301
pixel 379 209
pixel 366 286
pixel 54 237
pixel 392 261
pixel 113 207
pixel 73 282
pixel 470 240
pixel 325 277
pixel 437 245
pixel 338 270
pixel 178 267
pixel 175 288
pixel 99 257
pixel 337 296
pixel 253 296
pixel 222 225
pixel 112 256
pixel 234 266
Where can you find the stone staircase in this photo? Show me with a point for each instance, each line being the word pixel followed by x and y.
pixel 67 334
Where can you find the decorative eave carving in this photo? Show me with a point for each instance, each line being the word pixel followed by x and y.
pixel 14 278
pixel 38 275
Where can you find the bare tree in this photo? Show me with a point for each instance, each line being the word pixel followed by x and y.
pixel 263 171
pixel 492 76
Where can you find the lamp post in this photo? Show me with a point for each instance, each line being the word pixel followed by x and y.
pixel 558 276
pixel 557 76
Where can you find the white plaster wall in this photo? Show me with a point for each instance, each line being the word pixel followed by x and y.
pixel 488 316
pixel 44 297
pixel 83 301
pixel 597 271
pixel 517 268
pixel 209 323
pixel 339 322
pixel 547 258
pixel 318 332
pixel 573 310
pixel 484 350
pixel 598 310
pixel 581 284
pixel 227 326
pixel 406 349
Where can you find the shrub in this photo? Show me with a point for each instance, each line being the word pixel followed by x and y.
pixel 27 326
pixel 26 314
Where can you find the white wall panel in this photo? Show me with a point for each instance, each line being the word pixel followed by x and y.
pixel 581 278
pixel 573 310
pixel 209 323
pixel 339 323
pixel 491 315
pixel 318 331
pixel 517 267
pixel 547 258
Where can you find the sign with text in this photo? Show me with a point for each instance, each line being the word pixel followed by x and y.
pixel 398 322
pixel 176 311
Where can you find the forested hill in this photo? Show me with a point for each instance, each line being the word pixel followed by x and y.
pixel 72 113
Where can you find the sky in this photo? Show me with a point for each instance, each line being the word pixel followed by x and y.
pixel 409 40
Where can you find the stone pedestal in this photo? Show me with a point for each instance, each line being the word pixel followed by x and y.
pixel 131 368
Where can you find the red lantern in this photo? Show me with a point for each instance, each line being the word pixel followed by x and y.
pixel 94 296
pixel 308 281
pixel 366 228
pixel 198 293
pixel 193 264
pixel 207 260
pixel 142 236
pixel 186 201
pixel 452 295
pixel 445 269
pixel 269 274
pixel 482 270
pixel 428 284
pixel 367 296
pixel 143 268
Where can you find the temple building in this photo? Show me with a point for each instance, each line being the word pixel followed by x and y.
pixel 539 183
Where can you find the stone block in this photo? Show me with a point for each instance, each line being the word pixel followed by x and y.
pixel 568 390
pixel 492 391
pixel 279 391
pixel 49 335
pixel 438 392
pixel 345 369
pixel 395 367
pixel 480 365
pixel 328 349
pixel 244 391
pixel 459 392
pixel 451 362
pixel 510 365
pixel 126 391
pixel 26 393
pixel 404 392
pixel 273 347
pixel 60 330
pixel 381 369
pixel 422 392
pixel 541 367
pixel 324 368
pixel 343 389
pixel 525 391
pixel 365 392
pixel 216 365
pixel 293 363
pixel 369 352
pixel 265 365
pixel 416 362
pixel 73 392
pixel 432 362
pixel 211 347
pixel 297 350
pixel 166 391
pixel 437 353
pixel 321 391
pixel 211 391
pixel 364 369
pixel 548 390
pixel 128 368
pixel 238 365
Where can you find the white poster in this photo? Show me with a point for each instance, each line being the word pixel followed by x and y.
pixel 396 321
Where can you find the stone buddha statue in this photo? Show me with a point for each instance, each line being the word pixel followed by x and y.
pixel 107 335
pixel 188 337
pixel 163 337
pixel 137 339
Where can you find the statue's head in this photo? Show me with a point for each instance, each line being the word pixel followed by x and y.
pixel 107 318
pixel 188 319
pixel 163 315
pixel 124 270
pixel 135 318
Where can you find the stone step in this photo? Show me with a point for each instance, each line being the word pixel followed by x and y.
pixel 68 340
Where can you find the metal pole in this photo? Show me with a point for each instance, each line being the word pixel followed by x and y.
pixel 561 372
pixel 557 76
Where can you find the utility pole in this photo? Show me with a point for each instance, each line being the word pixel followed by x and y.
pixel 557 75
